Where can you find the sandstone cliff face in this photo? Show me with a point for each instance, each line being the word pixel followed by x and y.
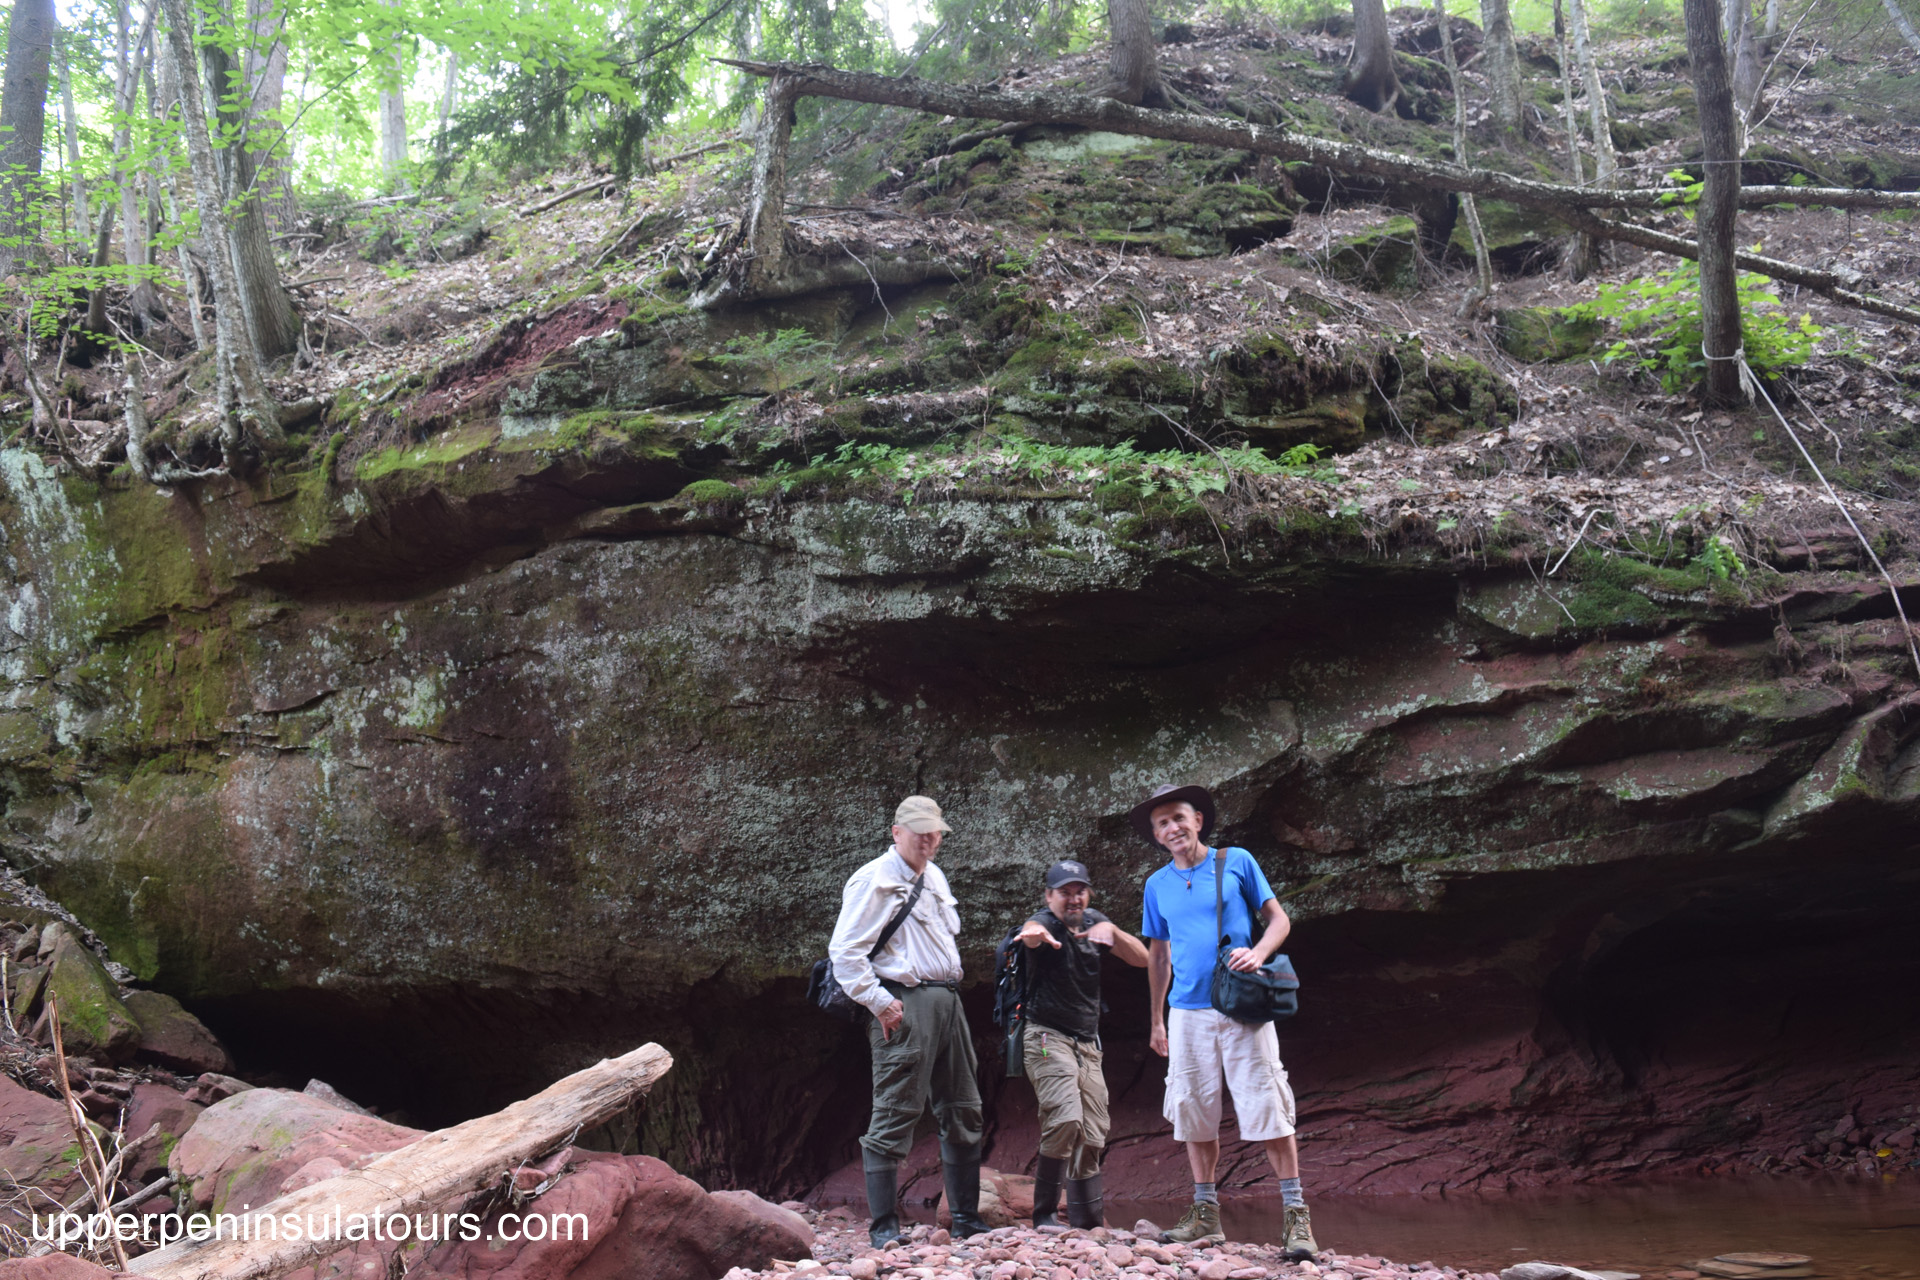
pixel 443 776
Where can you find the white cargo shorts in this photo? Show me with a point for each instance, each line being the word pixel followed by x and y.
pixel 1205 1049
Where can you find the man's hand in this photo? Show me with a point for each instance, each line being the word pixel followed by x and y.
pixel 1033 933
pixel 1243 960
pixel 1157 1039
pixel 1101 935
pixel 890 1019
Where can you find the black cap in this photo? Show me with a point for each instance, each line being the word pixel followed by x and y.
pixel 1066 873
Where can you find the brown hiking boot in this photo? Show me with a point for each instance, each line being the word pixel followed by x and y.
pixel 1201 1226
pixel 1297 1244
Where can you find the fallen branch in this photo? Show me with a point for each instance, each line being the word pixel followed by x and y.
pixel 971 102
pixel 691 152
pixel 1828 284
pixel 93 1162
pixel 426 1174
pixel 764 238
pixel 598 184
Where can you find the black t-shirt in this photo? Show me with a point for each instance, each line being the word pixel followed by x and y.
pixel 1063 989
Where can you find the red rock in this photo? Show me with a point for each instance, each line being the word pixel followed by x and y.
pixel 35 1137
pixel 775 1213
pixel 153 1104
pixel 173 1037
pixel 53 1266
pixel 247 1149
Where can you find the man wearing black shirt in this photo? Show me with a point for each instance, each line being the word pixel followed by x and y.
pixel 1064 945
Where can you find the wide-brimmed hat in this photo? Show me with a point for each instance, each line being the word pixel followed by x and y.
pixel 1142 815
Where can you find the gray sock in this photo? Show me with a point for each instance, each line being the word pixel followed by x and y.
pixel 1203 1193
pixel 1291 1195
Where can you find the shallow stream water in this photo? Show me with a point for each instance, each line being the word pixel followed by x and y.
pixel 1850 1227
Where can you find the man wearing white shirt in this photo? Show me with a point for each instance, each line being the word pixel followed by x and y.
pixel 922 1049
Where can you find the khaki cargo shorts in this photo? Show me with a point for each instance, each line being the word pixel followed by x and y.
pixel 1205 1050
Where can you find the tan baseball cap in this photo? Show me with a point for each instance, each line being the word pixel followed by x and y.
pixel 919 815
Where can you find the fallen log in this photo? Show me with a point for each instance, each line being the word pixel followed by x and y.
pixel 598 184
pixel 972 102
pixel 764 239
pixel 423 1175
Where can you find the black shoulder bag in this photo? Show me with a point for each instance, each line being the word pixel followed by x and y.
pixel 824 991
pixel 1268 993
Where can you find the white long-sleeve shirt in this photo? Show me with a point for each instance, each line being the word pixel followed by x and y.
pixel 922 949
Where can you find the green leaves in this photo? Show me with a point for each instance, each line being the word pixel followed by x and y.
pixel 1659 319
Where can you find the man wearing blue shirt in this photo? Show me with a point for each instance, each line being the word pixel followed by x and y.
pixel 1204 1047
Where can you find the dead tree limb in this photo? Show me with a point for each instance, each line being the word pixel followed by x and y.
pixel 598 184
pixel 1828 284
pixel 428 1173
pixel 968 102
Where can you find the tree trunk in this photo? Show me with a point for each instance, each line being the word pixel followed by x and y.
pixel 449 99
pixel 82 223
pixel 1132 62
pixel 1749 69
pixel 1503 67
pixel 440 1167
pixel 1482 266
pixel 272 324
pixel 1714 220
pixel 268 147
pixel 1773 18
pixel 1371 79
pixel 130 64
pixel 1605 163
pixel 23 117
pixel 393 115
pixel 1581 265
pixel 242 392
pixel 1903 23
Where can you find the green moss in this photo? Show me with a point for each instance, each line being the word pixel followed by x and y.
pixel 711 493
pixel 428 455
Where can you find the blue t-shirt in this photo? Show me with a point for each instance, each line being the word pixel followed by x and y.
pixel 1179 911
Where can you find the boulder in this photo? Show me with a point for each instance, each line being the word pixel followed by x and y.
pixel 172 1037
pixel 93 1021
pixel 53 1266
pixel 153 1104
pixel 36 1147
pixel 1006 1199
pixel 248 1149
pixel 637 1217
pixel 321 1091
pixel 780 1215
pixel 1534 334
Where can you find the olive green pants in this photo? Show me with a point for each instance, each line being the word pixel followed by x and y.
pixel 1072 1091
pixel 929 1058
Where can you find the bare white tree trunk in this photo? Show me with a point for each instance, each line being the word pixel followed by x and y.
pixel 393 114
pixel 449 99
pixel 242 392
pixel 1904 23
pixel 83 225
pixel 1482 265
pixel 1582 244
pixel 1605 163
pixel 130 56
pixel 1773 18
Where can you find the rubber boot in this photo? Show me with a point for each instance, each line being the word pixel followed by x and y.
pixel 1046 1190
pixel 883 1193
pixel 960 1170
pixel 1083 1202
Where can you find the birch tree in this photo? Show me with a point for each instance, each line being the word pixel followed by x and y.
pixel 1903 24
pixel 393 111
pixel 241 392
pixel 76 177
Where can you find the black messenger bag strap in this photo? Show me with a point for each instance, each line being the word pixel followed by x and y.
pixel 899 917
pixel 1219 898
